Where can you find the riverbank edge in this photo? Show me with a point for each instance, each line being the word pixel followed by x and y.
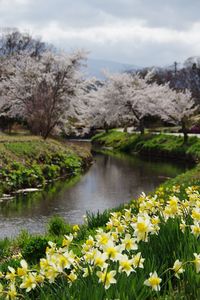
pixel 31 163
pixel 157 145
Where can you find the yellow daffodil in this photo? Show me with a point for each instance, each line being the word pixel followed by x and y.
pixel 72 277
pixel 24 268
pixel 51 274
pixel 39 278
pixel 129 243
pixel 76 227
pixel 196 229
pixel 102 238
pixel 182 226
pixel 197 262
pixel 138 260
pixel 44 264
pixel 178 268
pixel 126 265
pixel 11 275
pixel 67 240
pixel 142 228
pixel 112 251
pixel 11 292
pixel 100 260
pixel 107 278
pixel 29 282
pixel 153 281
pixel 89 256
pixel 196 214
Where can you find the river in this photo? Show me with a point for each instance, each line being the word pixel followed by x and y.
pixel 111 181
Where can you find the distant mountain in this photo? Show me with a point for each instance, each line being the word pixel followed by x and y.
pixel 95 67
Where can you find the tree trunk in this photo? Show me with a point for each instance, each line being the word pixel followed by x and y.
pixel 9 128
pixel 125 128
pixel 46 133
pixel 141 127
pixel 106 127
pixel 185 134
pixel 185 137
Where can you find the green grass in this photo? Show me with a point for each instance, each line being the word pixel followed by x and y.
pixel 150 144
pixel 28 161
pixel 114 139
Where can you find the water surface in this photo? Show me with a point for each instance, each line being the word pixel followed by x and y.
pixel 110 181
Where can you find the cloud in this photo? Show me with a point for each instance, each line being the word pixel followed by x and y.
pixel 140 32
pixel 126 41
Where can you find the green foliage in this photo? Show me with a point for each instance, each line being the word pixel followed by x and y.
pixel 194 149
pixel 114 139
pixel 150 144
pixel 30 162
pixel 17 176
pixel 191 177
pixel 28 149
pixel 22 239
pixel 51 171
pixel 95 220
pixel 58 227
pixel 34 249
pixel 14 263
pixel 4 248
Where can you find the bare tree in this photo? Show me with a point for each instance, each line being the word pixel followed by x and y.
pixel 13 42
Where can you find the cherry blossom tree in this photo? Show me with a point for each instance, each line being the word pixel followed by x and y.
pixel 43 91
pixel 14 45
pixel 124 100
pixel 178 108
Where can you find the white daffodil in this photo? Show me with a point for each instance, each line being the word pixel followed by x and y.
pixel 153 281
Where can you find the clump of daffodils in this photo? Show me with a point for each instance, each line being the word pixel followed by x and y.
pixel 112 251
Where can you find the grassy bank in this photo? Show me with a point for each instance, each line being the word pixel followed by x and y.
pixel 29 162
pixel 147 249
pixel 162 145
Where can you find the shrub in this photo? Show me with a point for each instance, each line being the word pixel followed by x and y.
pixel 98 219
pixel 34 249
pixel 14 263
pixel 57 226
pixel 51 171
pixel 4 247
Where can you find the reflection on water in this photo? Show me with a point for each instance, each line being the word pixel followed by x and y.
pixel 111 180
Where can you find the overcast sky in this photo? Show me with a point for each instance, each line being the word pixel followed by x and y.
pixel 139 32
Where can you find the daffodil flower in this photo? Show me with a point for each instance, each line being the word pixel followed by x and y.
pixel 11 292
pixel 153 281
pixel 178 268
pixel 126 265
pixel 197 262
pixel 29 282
pixel 107 278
